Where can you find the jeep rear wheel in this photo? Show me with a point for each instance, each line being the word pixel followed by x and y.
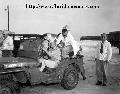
pixel 70 78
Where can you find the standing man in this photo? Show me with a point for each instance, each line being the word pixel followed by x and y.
pixel 8 45
pixel 80 60
pixel 67 42
pixel 104 54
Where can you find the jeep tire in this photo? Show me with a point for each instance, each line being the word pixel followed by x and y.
pixel 9 88
pixel 70 78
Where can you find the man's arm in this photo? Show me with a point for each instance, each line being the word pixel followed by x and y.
pixel 74 44
pixel 97 51
pixel 49 53
pixel 109 55
pixel 59 39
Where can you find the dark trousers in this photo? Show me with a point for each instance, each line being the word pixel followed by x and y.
pixel 66 51
pixel 101 69
pixel 82 70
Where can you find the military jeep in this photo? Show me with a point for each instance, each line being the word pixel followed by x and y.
pixel 23 67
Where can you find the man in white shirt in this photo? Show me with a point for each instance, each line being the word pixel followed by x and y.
pixel 8 45
pixel 67 42
pixel 104 54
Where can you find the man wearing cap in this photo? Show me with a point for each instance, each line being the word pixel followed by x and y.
pixel 8 45
pixel 67 42
pixel 104 54
pixel 53 52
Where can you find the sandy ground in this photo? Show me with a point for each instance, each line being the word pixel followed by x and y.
pixel 88 86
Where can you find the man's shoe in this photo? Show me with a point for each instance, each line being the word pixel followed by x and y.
pixel 104 84
pixel 99 83
pixel 84 78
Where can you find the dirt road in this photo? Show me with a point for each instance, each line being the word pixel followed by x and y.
pixel 88 86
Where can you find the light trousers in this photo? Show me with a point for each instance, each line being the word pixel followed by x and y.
pixel 49 63
pixel 101 70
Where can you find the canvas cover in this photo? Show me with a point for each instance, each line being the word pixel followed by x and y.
pixel 30 48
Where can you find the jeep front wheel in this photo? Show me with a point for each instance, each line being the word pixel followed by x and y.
pixel 9 88
pixel 70 78
pixel 5 90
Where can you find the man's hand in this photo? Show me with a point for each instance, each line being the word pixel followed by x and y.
pixel 1 48
pixel 59 46
pixel 80 48
pixel 96 59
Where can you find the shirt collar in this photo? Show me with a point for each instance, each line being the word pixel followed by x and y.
pixel 104 42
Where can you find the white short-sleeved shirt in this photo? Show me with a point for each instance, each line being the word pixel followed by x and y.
pixel 69 40
pixel 107 51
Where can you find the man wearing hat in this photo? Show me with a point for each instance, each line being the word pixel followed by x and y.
pixel 8 45
pixel 104 54
pixel 67 42
pixel 53 52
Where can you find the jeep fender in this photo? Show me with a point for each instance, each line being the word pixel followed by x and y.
pixel 21 77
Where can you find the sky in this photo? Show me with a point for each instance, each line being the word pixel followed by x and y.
pixel 81 21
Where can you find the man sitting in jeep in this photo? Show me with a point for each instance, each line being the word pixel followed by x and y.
pixel 53 52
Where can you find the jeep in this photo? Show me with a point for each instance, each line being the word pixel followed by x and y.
pixel 23 67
